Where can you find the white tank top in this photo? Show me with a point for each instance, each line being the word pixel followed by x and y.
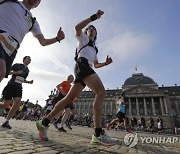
pixel 88 52
pixel 15 20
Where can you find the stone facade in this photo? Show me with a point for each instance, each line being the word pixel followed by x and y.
pixel 143 99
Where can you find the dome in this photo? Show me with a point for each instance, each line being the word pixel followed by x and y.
pixel 137 79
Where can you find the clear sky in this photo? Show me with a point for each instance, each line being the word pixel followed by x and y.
pixel 135 33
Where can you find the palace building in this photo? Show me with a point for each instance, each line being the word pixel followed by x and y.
pixel 144 98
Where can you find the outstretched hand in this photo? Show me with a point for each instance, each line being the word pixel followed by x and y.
pixel 108 60
pixel 99 14
pixel 31 82
pixel 60 34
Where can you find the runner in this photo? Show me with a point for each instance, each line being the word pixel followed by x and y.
pixel 63 90
pixel 86 57
pixel 13 90
pixel 16 21
pixel 120 114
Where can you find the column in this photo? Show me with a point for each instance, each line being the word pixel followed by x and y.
pixel 153 106
pixel 165 105
pixel 130 110
pixel 111 108
pixel 177 108
pixel 145 106
pixel 105 108
pixel 162 106
pixel 137 106
pixel 89 106
pixel 84 109
pixel 80 107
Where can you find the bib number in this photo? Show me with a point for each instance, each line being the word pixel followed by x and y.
pixel 8 43
pixel 19 79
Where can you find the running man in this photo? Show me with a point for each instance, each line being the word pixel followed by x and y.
pixel 63 89
pixel 86 57
pixel 16 21
pixel 13 91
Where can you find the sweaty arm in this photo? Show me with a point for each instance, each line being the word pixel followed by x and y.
pixel 107 62
pixel 30 82
pixel 84 23
pixel 42 40
pixel 98 65
pixel 50 41
pixel 81 25
pixel 59 86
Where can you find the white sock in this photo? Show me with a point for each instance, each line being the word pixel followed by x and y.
pixel 58 125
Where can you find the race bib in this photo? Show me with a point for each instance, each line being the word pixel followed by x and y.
pixel 8 43
pixel 19 79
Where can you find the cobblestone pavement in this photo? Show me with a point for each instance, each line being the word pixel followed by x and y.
pixel 23 138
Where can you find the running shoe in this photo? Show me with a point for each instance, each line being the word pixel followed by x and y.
pixel 116 128
pixel 6 125
pixel 61 129
pixel 42 130
pixel 55 125
pixel 104 140
pixel 68 126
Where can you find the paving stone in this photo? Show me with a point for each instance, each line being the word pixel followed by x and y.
pixel 5 150
pixel 22 152
pixel 23 139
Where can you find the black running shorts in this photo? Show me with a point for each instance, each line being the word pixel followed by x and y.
pixel 11 91
pixel 82 70
pixel 57 98
pixel 120 115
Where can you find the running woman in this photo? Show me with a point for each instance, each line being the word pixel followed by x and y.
pixel 86 57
